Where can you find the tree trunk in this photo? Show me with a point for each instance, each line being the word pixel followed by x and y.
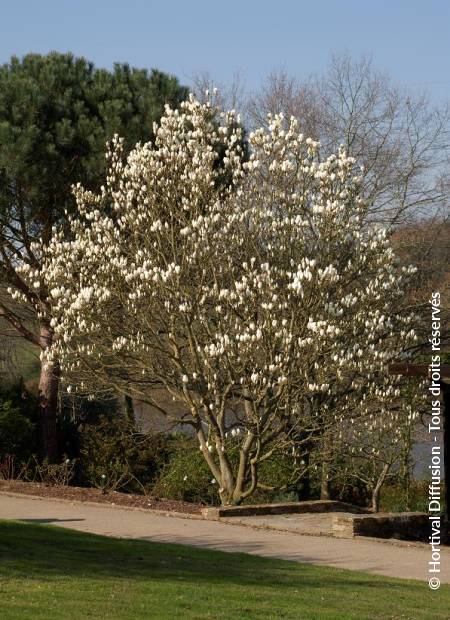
pixel 48 403
pixel 377 488
pixel 304 486
pixel 325 481
pixel 129 410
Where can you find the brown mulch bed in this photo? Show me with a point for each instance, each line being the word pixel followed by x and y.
pixel 113 498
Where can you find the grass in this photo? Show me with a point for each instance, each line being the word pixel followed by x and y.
pixel 51 573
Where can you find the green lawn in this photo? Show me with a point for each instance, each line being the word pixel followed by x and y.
pixel 52 573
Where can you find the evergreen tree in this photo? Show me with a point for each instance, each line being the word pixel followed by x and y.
pixel 56 113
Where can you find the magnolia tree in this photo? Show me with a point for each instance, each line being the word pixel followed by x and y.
pixel 248 287
pixel 378 446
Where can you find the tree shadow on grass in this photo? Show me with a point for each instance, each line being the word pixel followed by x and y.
pixel 43 552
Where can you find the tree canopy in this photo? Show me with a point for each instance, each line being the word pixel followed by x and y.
pixel 265 306
pixel 56 114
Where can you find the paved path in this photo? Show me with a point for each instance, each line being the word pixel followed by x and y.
pixel 358 554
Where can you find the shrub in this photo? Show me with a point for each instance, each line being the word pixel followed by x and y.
pixel 394 498
pixel 114 455
pixel 186 475
pixel 278 472
pixel 16 432
pixel 49 473
pixel 18 416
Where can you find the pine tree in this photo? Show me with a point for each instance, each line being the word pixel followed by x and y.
pixel 56 114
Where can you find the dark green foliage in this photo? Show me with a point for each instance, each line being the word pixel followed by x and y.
pixel 395 499
pixel 281 473
pixel 114 455
pixel 56 114
pixel 17 423
pixel 77 413
pixel 22 398
pixel 16 431
pixel 186 475
pixel 348 479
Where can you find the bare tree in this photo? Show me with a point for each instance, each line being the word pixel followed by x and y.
pixel 230 96
pixel 402 142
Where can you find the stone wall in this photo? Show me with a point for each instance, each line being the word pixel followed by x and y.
pixel 279 509
pixel 404 525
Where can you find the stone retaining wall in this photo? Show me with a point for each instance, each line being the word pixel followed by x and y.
pixel 279 509
pixel 405 525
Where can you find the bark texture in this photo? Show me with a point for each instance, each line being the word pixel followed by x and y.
pixel 48 403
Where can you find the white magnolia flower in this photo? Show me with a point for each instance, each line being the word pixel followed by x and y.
pixel 270 288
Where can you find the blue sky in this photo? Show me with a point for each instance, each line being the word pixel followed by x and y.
pixel 408 38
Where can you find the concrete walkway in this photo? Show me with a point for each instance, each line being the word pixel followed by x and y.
pixel 369 555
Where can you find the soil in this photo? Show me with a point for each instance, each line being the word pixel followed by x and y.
pixel 113 498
